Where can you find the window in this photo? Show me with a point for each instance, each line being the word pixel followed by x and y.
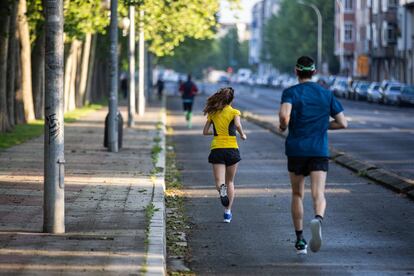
pixel 349 32
pixel 374 35
pixel 391 33
pixel 375 6
pixel 348 5
pixel 384 5
pixel 393 3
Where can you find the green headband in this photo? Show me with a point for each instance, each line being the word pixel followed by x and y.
pixel 300 67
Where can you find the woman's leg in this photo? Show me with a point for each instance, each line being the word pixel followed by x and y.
pixel 230 174
pixel 219 172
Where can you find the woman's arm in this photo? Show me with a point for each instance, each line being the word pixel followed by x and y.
pixel 237 123
pixel 206 130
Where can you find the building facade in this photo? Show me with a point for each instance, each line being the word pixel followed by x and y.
pixel 261 12
pixel 384 30
pixel 405 42
pixel 345 35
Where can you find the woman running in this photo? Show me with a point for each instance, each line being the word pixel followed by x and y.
pixel 224 153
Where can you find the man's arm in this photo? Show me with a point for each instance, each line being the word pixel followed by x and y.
pixel 284 115
pixel 339 121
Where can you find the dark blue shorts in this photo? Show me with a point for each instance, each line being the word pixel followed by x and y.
pixel 305 165
pixel 227 157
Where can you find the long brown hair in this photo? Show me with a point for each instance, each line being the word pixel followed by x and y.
pixel 219 100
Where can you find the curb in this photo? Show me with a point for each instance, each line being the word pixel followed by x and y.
pixel 157 251
pixel 384 177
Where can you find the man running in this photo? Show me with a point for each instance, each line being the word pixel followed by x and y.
pixel 306 109
pixel 188 90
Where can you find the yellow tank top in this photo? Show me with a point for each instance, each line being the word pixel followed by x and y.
pixel 224 128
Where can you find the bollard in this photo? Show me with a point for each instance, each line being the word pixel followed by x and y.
pixel 120 129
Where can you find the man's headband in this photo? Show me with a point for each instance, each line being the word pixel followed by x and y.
pixel 300 67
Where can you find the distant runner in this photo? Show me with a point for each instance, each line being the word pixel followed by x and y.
pixel 188 91
pixel 224 153
pixel 306 109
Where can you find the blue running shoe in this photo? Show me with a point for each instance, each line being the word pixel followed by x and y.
pixel 227 217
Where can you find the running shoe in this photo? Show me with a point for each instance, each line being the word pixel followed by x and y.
pixel 227 217
pixel 301 246
pixel 316 241
pixel 223 195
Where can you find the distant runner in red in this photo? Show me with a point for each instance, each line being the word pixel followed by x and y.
pixel 188 91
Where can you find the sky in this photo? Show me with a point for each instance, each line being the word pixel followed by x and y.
pixel 243 15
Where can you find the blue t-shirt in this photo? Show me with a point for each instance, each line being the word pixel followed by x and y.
pixel 312 105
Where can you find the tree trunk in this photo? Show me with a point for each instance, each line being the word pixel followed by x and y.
pixel 70 69
pixel 4 44
pixel 18 100
pixel 11 63
pixel 89 76
pixel 78 102
pixel 38 73
pixel 25 60
pixel 72 85
pixel 84 70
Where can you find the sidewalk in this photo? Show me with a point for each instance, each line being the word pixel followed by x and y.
pixel 106 196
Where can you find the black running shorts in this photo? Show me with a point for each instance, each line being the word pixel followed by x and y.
pixel 227 157
pixel 305 165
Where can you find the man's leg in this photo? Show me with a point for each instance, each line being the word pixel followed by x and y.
pixel 298 187
pixel 318 179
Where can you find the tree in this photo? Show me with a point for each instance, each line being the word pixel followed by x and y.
pixel 4 35
pixel 25 60
pixel 195 55
pixel 292 33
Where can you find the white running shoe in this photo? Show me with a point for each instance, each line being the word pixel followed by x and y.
pixel 223 195
pixel 315 242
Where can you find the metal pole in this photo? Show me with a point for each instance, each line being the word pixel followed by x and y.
pixel 54 159
pixel 131 53
pixel 113 94
pixel 319 16
pixel 141 88
pixel 341 33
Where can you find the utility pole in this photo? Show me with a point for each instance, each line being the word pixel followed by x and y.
pixel 113 94
pixel 141 87
pixel 131 58
pixel 54 159
pixel 319 16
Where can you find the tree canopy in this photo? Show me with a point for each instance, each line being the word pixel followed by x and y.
pixel 293 32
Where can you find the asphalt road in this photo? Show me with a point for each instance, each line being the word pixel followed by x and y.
pixel 378 134
pixel 368 230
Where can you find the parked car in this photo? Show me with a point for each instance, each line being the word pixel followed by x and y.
pixel 361 90
pixel 340 87
pixel 351 89
pixel 223 80
pixel 407 95
pixel 392 93
pixel 374 94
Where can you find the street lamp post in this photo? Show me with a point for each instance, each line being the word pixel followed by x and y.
pixel 341 32
pixel 113 95
pixel 319 16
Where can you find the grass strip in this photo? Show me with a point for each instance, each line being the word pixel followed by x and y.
pixel 24 132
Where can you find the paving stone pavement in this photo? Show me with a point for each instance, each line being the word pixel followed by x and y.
pixel 105 199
